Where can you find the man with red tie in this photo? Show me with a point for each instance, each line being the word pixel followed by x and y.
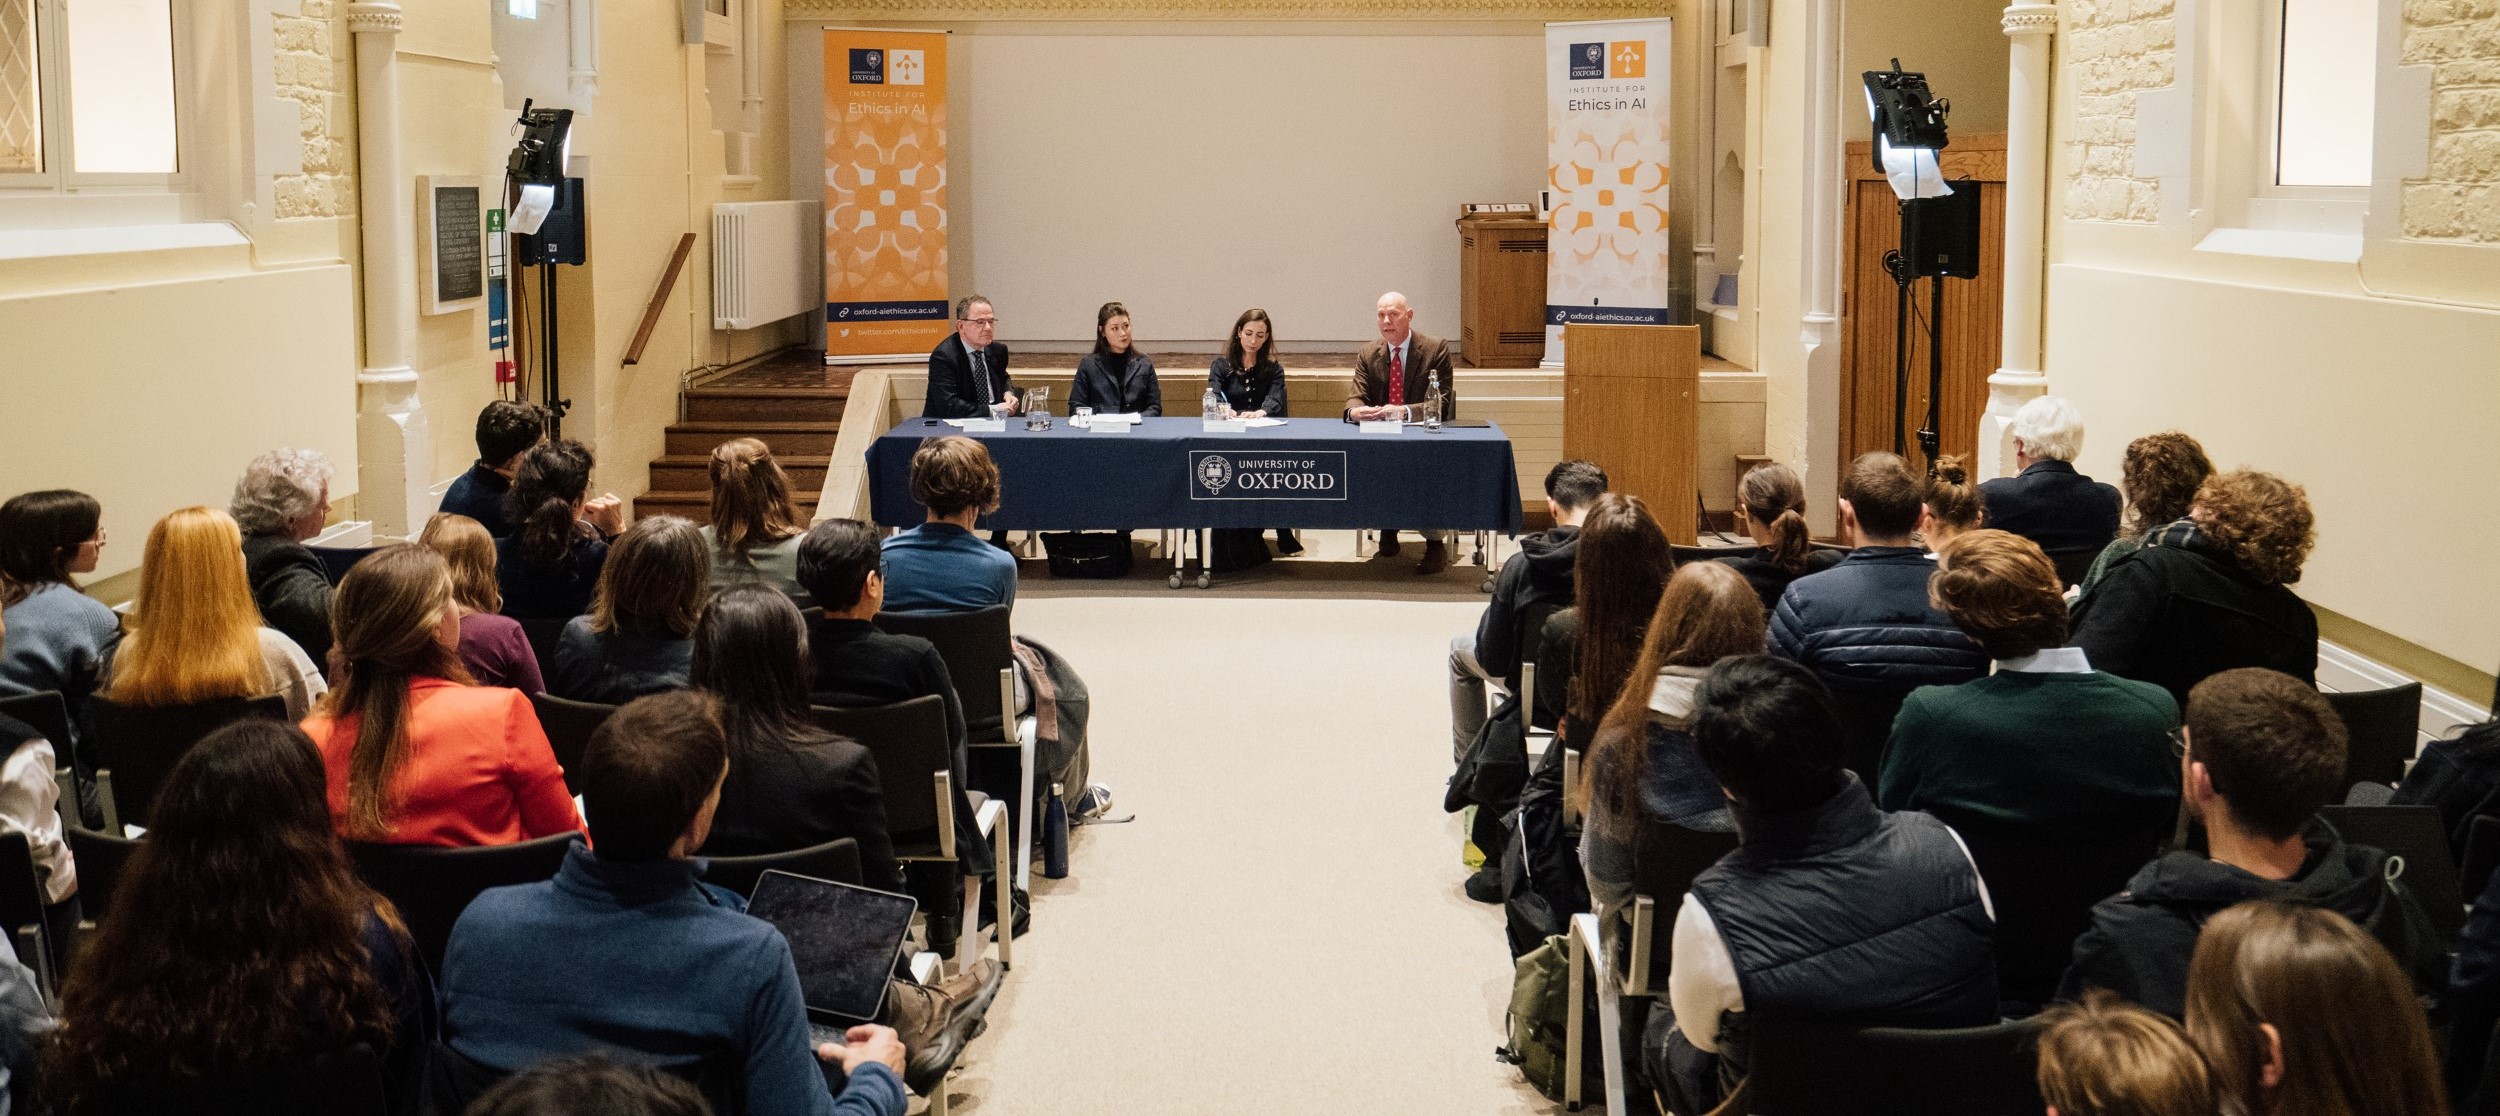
pixel 1392 378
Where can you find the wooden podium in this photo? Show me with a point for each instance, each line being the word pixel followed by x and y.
pixel 1631 399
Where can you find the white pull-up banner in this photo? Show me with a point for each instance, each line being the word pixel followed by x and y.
pixel 1605 175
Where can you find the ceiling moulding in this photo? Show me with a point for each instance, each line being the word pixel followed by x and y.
pixel 1133 10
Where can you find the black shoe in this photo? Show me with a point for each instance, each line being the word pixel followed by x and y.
pixel 1436 559
pixel 1388 544
pixel 1486 885
pixel 1287 544
pixel 1024 910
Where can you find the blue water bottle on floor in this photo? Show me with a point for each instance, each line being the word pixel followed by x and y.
pixel 1055 834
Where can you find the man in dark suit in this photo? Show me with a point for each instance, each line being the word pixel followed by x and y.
pixel 1392 378
pixel 968 372
pixel 2070 515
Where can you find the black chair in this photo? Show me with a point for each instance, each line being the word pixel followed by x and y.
pixel 431 885
pixel 1866 717
pixel 1800 1067
pixel 100 858
pixel 337 560
pixel 543 632
pixel 137 745
pixel 836 860
pixel 2415 834
pixel 568 725
pixel 2482 854
pixel 1685 554
pixel 47 713
pixel 980 656
pixel 2043 885
pixel 341 1083
pixel 22 915
pixel 2385 727
pixel 2072 565
pixel 909 741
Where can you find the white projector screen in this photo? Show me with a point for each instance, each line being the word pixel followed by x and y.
pixel 1194 175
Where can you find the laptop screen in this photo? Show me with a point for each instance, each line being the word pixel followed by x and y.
pixel 843 937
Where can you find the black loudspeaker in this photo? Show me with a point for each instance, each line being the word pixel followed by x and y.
pixel 1939 236
pixel 564 236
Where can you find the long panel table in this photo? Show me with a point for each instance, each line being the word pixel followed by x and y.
pixel 1170 473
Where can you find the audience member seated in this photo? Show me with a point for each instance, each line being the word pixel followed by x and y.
pixel 2461 776
pixel 2260 754
pixel 1951 502
pixel 968 371
pixel 59 637
pixel 1533 584
pixel 2107 1057
pixel 682 976
pixel 30 804
pixel 2070 515
pixel 2299 1011
pixel 194 635
pixel 940 566
pixel 639 636
pixel 549 566
pixel 2210 592
pixel 506 429
pixel 2472 1003
pixel 1865 626
pixel 856 664
pixel 1393 379
pixel 25 1020
pixel 755 528
pixel 2044 744
pixel 239 940
pixel 791 785
pixel 492 645
pixel 1115 379
pixel 1249 384
pixel 416 755
pixel 282 500
pixel 596 1085
pixel 1828 909
pixel 1771 510
pixel 2160 476
pixel 1642 772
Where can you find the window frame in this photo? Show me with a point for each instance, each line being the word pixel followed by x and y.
pixel 2271 204
pixel 52 83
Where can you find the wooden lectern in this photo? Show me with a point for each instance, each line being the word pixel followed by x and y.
pixel 1631 403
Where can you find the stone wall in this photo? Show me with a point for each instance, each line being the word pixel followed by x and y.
pixel 2113 50
pixel 2460 199
pixel 316 70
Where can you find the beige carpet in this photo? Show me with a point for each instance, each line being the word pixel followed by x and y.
pixel 1281 929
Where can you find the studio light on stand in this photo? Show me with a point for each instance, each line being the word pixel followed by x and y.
pixel 548 226
pixel 1939 230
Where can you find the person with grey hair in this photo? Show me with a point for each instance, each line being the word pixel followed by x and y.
pixel 2069 514
pixel 282 500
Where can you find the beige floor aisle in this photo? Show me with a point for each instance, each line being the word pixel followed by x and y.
pixel 1281 929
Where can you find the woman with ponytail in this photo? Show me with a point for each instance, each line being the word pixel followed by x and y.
pixel 755 528
pixel 1771 507
pixel 549 566
pixel 416 755
pixel 1952 503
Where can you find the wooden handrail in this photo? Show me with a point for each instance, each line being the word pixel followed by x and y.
pixel 659 298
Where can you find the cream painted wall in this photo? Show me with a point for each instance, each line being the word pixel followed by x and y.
pixel 1800 403
pixel 1958 44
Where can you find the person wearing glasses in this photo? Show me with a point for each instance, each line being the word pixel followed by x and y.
pixel 968 372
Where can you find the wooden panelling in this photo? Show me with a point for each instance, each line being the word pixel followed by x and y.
pixel 1972 312
pixel 1631 403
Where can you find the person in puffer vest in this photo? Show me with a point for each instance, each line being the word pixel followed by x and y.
pixel 1829 909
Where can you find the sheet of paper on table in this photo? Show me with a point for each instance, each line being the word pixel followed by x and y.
pixel 1381 426
pixel 1126 416
pixel 1222 426
pixel 1116 424
pixel 978 426
pixel 1258 423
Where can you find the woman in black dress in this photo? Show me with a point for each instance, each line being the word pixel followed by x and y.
pixel 1116 379
pixel 1252 385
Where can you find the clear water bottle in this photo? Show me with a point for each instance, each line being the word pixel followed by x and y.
pixel 1432 404
pixel 1211 405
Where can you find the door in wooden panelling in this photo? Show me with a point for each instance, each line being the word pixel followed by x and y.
pixel 1972 311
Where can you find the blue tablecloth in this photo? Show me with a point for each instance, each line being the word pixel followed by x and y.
pixel 1170 473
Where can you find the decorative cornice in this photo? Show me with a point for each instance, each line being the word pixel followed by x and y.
pixel 2030 19
pixel 1107 10
pixel 374 17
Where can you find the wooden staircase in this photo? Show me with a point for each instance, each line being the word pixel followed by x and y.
pixel 792 402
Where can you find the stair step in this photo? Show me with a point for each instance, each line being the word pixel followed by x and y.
pixel 693 472
pixel 792 439
pixel 766 403
pixel 697 506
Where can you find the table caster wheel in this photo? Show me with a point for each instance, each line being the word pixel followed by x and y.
pixel 1486 586
pixel 1176 580
pixel 1204 581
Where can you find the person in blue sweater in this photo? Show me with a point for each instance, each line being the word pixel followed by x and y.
pixel 626 952
pixel 941 566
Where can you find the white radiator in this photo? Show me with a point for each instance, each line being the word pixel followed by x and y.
pixel 764 262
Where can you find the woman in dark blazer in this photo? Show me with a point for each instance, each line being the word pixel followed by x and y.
pixel 1115 378
pixel 1252 385
pixel 791 785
